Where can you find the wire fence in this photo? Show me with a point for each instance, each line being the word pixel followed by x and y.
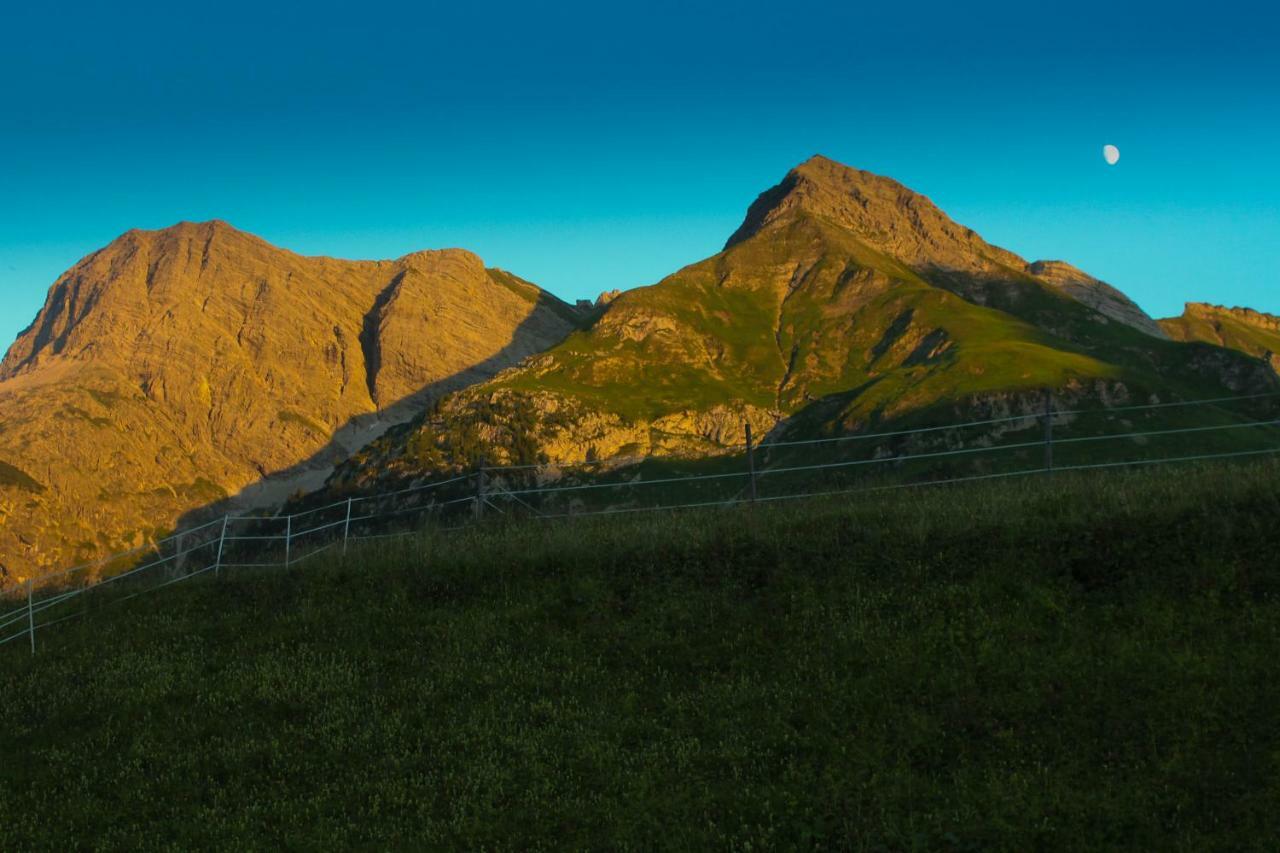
pixel 1034 442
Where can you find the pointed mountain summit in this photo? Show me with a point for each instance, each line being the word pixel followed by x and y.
pixel 907 226
pixel 883 213
pixel 844 299
pixel 177 367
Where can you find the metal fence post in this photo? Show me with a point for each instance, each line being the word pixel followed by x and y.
pixel 31 612
pixel 480 484
pixel 288 538
pixel 346 528
pixel 751 462
pixel 222 541
pixel 1048 430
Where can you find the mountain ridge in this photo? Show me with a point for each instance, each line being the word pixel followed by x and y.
pixel 1255 333
pixel 842 293
pixel 198 366
pixel 177 367
pixel 896 220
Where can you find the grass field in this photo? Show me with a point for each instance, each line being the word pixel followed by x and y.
pixel 1076 662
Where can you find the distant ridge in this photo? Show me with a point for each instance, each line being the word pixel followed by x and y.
pixel 1241 329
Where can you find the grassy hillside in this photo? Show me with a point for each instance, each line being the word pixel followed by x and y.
pixel 1067 663
pixel 1243 330
pixel 803 323
pixel 796 314
pixel 807 310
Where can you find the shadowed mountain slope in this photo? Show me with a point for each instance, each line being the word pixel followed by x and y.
pixel 176 367
pixel 844 299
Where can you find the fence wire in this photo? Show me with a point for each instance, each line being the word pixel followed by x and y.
pixel 240 542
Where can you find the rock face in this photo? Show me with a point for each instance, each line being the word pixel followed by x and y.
pixel 1241 329
pixel 1098 295
pixel 843 299
pixel 177 367
pixel 1245 316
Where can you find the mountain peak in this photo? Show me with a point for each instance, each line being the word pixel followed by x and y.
pixel 879 211
pixel 431 258
pixel 823 170
pixel 187 228
pixel 816 185
pixel 176 366
pixel 186 237
pixel 894 220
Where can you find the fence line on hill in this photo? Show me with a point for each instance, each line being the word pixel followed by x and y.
pixel 238 541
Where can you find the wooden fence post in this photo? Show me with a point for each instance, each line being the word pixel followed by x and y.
pixel 288 540
pixel 346 528
pixel 480 484
pixel 222 542
pixel 1048 430
pixel 31 612
pixel 751 462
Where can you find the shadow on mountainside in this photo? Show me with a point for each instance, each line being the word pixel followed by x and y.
pixel 274 489
pixel 1068 324
pixel 1186 367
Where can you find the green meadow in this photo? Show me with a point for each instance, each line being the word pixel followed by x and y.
pixel 1068 662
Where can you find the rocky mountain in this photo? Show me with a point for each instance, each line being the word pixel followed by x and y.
pixel 1098 295
pixel 1241 329
pixel 844 299
pixel 177 367
pixel 905 225
pixel 199 366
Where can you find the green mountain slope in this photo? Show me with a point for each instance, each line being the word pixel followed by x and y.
pixel 1056 664
pixel 1241 329
pixel 845 299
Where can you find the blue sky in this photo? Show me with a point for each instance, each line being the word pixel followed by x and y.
pixel 594 146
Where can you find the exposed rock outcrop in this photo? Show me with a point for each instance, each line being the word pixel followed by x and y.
pixel 1098 295
pixel 1247 316
pixel 177 367
pixel 1242 329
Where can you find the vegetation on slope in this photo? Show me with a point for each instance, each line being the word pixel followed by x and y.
pixel 1240 329
pixel 845 301
pixel 729 328
pixel 1067 663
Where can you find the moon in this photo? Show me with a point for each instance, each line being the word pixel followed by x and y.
pixel 1111 154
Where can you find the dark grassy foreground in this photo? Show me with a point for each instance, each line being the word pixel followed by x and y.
pixel 1077 663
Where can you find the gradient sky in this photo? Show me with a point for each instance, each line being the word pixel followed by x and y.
pixel 594 146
